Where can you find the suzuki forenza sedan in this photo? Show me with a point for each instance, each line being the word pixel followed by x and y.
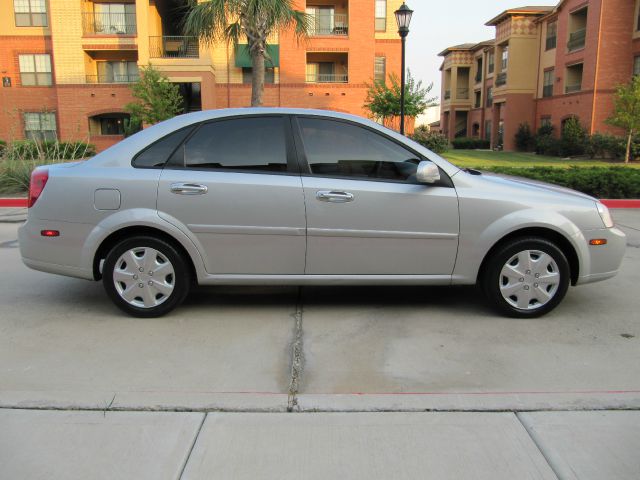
pixel 306 197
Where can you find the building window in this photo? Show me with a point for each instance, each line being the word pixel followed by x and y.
pixel 489 96
pixel 40 126
pixel 547 88
pixel 573 78
pixel 380 69
pixel 477 99
pixel 636 65
pixel 35 69
pixel 491 62
pixel 115 72
pixel 545 122
pixel 505 58
pixel 552 32
pixel 487 130
pixel 269 75
pixel 108 124
pixel 577 29
pixel 381 15
pixel 478 77
pixel 112 19
pixel 30 13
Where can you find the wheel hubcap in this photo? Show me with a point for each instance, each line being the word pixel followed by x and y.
pixel 144 277
pixel 529 279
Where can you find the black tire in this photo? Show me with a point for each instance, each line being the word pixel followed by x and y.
pixel 492 279
pixel 180 278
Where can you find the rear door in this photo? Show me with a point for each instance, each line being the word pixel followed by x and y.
pixel 366 213
pixel 234 184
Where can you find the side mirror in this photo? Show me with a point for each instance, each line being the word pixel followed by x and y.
pixel 428 172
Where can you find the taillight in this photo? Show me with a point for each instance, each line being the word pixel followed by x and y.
pixel 39 179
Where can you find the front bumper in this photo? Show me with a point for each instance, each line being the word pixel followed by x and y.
pixel 602 261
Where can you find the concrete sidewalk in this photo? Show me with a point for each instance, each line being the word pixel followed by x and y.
pixel 69 445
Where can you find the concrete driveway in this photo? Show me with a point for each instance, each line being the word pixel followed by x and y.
pixel 252 354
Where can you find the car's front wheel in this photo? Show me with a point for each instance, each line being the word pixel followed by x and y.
pixel 526 277
pixel 145 276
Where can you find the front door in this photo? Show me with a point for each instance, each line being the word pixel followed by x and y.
pixel 234 186
pixel 366 214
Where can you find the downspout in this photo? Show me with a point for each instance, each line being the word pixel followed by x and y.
pixel 228 79
pixel 483 87
pixel 595 81
pixel 537 98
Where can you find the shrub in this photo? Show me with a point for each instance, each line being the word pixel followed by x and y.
pixel 600 182
pixel 3 146
pixel 604 146
pixel 524 138
pixel 573 137
pixel 470 143
pixel 434 141
pixel 31 150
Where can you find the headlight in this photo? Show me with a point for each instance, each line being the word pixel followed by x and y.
pixel 605 215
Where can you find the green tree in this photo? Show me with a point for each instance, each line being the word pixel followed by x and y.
pixel 157 98
pixel 626 111
pixel 383 101
pixel 257 20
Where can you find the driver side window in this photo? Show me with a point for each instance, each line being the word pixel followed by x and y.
pixel 340 149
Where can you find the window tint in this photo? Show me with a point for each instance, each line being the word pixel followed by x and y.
pixel 344 150
pixel 251 144
pixel 158 153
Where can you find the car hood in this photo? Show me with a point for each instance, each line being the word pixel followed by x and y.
pixel 533 185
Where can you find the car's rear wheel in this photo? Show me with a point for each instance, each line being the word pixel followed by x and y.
pixel 145 276
pixel 526 277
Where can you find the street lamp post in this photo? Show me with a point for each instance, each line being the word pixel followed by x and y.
pixel 403 18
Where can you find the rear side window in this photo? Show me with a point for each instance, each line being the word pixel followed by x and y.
pixel 241 144
pixel 339 149
pixel 158 153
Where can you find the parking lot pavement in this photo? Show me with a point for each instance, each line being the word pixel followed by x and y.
pixel 56 445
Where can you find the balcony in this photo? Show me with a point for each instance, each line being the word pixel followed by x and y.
pixel 462 93
pixel 572 88
pixel 114 78
pixel 478 77
pixel 547 91
pixel 447 94
pixel 327 78
pixel 173 47
pixel 99 23
pixel 577 40
pixel 501 79
pixel 328 24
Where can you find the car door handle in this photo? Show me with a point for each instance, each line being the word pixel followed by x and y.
pixel 188 189
pixel 334 196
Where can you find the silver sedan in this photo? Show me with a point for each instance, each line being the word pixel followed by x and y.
pixel 306 197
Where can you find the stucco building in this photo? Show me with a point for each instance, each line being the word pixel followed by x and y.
pixel 544 65
pixel 67 65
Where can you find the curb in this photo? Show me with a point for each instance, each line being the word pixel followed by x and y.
pixel 631 203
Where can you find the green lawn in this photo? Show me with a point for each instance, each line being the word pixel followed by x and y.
pixel 487 158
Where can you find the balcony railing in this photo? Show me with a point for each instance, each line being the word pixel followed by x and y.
pixel 328 24
pixel 551 43
pixel 577 39
pixel 547 91
pixel 447 94
pixel 173 47
pixel 115 78
pixel 99 23
pixel 573 88
pixel 462 93
pixel 327 78
pixel 501 79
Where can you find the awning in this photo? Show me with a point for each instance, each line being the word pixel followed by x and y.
pixel 243 58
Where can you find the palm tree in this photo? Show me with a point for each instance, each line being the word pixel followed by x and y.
pixel 214 20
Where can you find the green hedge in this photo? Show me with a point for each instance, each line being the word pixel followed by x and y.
pixel 600 182
pixel 470 143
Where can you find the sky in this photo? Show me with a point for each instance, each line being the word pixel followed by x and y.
pixel 438 24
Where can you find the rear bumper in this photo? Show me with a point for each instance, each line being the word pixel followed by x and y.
pixel 603 261
pixel 60 255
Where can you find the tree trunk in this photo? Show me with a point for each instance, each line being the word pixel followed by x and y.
pixel 628 154
pixel 257 76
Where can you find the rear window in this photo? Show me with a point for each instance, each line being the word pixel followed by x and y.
pixel 157 154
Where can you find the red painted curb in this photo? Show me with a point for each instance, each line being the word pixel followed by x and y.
pixel 22 202
pixel 13 202
pixel 622 203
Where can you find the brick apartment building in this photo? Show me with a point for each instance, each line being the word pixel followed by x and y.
pixel 544 65
pixel 67 65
